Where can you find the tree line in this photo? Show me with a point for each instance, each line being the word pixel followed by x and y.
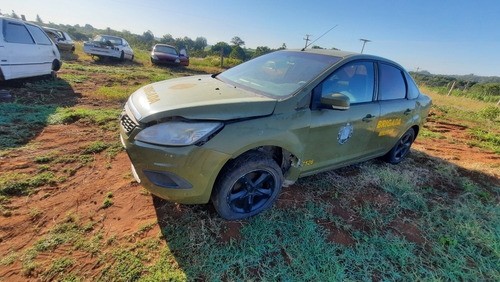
pixel 472 86
pixel 197 48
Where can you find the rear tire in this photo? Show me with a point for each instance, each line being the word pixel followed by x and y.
pixel 402 148
pixel 56 65
pixel 122 56
pixel 247 186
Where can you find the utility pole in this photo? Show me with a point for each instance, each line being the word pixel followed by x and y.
pixel 364 42
pixel 307 40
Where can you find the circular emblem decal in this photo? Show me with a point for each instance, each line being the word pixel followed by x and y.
pixel 345 133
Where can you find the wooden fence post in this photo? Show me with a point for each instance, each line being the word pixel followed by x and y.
pixel 451 89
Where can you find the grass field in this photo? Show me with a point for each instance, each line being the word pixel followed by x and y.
pixel 71 211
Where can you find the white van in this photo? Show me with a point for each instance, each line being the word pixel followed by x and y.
pixel 25 50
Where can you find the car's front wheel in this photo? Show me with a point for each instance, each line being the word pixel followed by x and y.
pixel 247 186
pixel 402 147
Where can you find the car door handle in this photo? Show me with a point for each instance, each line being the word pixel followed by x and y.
pixel 368 118
pixel 407 112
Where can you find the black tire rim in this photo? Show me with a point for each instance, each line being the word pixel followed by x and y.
pixel 403 146
pixel 252 191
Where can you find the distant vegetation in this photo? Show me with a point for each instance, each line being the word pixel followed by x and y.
pixel 196 48
pixel 472 86
pixel 476 87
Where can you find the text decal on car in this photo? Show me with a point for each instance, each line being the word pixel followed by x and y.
pixel 388 123
pixel 151 94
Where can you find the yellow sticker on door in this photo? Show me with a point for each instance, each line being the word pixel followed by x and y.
pixel 385 123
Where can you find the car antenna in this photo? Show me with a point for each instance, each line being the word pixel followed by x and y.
pixel 307 45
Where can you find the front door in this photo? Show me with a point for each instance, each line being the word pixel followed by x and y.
pixel 340 137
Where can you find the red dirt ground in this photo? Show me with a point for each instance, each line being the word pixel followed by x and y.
pixel 83 193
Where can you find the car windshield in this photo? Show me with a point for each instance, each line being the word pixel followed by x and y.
pixel 165 49
pixel 105 39
pixel 278 74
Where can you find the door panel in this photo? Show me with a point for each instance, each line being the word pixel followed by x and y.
pixel 339 137
pixel 397 111
pixel 396 116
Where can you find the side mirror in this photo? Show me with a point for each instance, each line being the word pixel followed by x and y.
pixel 336 101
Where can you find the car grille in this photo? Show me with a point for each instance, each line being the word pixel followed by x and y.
pixel 127 123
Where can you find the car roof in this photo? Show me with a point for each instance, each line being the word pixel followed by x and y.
pixel 166 45
pixel 11 19
pixel 329 52
pixel 18 20
pixel 112 36
pixel 50 28
pixel 346 54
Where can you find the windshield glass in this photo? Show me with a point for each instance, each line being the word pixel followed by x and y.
pixel 278 74
pixel 165 49
pixel 106 39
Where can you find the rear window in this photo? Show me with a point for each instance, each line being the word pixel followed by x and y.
pixel 392 84
pixel 39 36
pixel 16 33
pixel 165 49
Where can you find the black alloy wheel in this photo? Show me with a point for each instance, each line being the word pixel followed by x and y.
pixel 402 147
pixel 247 186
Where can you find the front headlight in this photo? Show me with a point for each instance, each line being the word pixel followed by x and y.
pixel 178 133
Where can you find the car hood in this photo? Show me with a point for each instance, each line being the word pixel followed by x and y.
pixel 197 97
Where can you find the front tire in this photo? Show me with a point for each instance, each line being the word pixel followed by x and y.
pixel 247 186
pixel 402 148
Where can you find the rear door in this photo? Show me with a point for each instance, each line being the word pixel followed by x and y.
pixel 397 107
pixel 46 50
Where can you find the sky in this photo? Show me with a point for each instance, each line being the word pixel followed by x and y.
pixel 440 36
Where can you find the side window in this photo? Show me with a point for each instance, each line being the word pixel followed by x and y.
pixel 16 33
pixel 38 34
pixel 413 91
pixel 355 80
pixel 392 84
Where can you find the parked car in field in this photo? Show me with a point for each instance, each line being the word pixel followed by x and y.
pixel 61 38
pixel 110 47
pixel 168 55
pixel 237 137
pixel 26 50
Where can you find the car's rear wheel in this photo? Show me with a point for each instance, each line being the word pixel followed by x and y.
pixel 56 65
pixel 247 186
pixel 402 148
pixel 122 56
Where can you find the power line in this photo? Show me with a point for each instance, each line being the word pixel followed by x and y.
pixel 307 37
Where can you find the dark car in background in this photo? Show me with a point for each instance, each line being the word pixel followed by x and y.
pixel 163 54
pixel 62 39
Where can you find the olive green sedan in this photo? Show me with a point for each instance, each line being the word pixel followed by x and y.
pixel 236 138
